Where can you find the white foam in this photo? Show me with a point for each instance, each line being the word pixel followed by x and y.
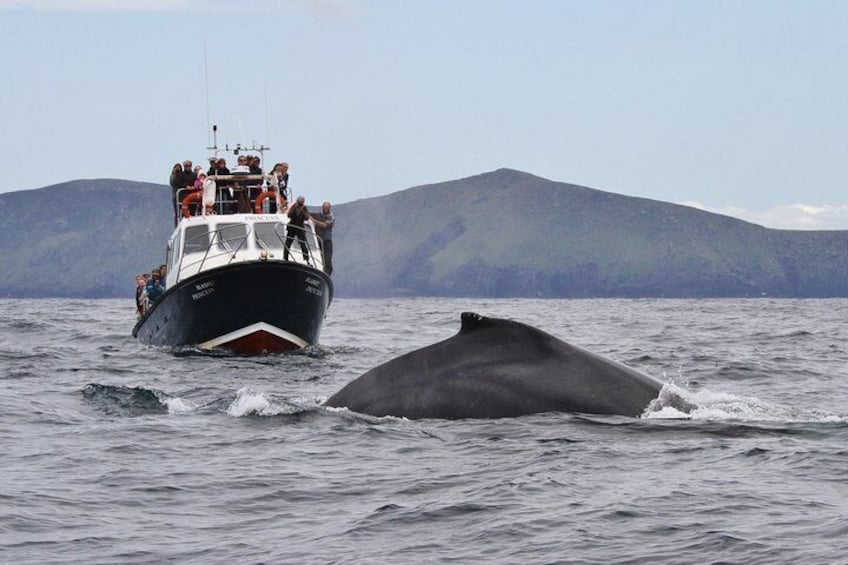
pixel 250 403
pixel 667 413
pixel 723 406
pixel 177 405
pixel 247 403
pixel 344 411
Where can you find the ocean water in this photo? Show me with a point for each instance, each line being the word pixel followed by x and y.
pixel 114 452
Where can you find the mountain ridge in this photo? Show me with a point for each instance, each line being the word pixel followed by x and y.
pixel 496 234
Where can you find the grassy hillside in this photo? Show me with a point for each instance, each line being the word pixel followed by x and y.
pixel 508 233
pixel 83 238
pixel 504 233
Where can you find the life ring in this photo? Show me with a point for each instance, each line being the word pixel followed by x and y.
pixel 261 198
pixel 193 197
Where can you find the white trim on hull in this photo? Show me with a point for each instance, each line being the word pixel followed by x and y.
pixel 253 328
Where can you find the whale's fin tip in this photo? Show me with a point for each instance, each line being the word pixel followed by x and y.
pixel 471 320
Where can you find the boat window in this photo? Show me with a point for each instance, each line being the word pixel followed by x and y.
pixel 196 239
pixel 174 252
pixel 170 257
pixel 231 237
pixel 270 235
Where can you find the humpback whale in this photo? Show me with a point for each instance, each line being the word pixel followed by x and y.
pixel 497 368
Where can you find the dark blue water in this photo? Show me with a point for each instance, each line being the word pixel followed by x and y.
pixel 113 452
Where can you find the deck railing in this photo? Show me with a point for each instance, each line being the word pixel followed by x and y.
pixel 233 193
pixel 225 247
pixel 229 247
pixel 314 244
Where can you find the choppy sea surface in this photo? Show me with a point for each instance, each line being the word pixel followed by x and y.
pixel 115 452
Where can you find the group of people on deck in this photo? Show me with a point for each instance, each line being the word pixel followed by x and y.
pixel 324 221
pixel 189 179
pixel 149 287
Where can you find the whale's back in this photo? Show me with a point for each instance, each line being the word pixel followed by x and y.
pixel 496 368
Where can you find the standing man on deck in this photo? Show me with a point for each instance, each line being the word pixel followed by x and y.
pixel 177 184
pixel 189 176
pixel 324 222
pixel 155 287
pixel 298 214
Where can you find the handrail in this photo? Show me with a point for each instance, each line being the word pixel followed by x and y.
pixel 224 246
pixel 241 176
pixel 179 195
pixel 314 248
pixel 227 206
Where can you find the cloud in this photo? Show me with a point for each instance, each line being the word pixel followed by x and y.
pixel 788 216
pixel 330 8
pixel 317 8
pixel 100 5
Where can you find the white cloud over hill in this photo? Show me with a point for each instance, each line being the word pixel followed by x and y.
pixel 787 216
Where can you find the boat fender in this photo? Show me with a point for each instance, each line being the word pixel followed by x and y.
pixel 193 197
pixel 261 198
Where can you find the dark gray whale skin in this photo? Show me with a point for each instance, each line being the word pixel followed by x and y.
pixel 496 368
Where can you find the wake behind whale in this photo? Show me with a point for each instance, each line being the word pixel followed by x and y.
pixel 497 368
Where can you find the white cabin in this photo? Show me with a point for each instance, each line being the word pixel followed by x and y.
pixel 201 243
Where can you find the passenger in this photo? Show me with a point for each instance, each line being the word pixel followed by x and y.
pixel 225 206
pixel 298 214
pixel 140 293
pixel 176 186
pixel 198 184
pixel 177 175
pixel 208 197
pixel 241 165
pixel 155 288
pixel 240 188
pixel 254 187
pixel 163 273
pixel 188 174
pixel 254 164
pixel 220 167
pixel 194 207
pixel 278 204
pixel 280 172
pixel 324 222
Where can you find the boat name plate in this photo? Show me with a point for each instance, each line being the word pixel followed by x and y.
pixel 203 289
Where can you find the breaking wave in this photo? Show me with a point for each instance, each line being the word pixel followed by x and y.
pixel 250 403
pixel 118 400
pixel 676 403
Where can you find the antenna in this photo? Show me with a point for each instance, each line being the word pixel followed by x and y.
pixel 206 81
pixel 265 92
pixel 241 129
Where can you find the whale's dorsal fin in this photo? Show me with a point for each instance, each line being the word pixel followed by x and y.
pixel 472 321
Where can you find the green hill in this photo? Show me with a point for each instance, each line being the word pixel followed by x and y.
pixel 86 238
pixel 503 233
pixel 508 233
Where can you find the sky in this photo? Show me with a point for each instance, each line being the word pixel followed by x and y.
pixel 733 107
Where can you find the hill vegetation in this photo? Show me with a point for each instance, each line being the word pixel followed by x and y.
pixel 508 233
pixel 499 234
pixel 86 238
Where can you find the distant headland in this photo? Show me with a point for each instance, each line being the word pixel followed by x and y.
pixel 503 233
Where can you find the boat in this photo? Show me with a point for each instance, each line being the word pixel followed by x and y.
pixel 230 282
